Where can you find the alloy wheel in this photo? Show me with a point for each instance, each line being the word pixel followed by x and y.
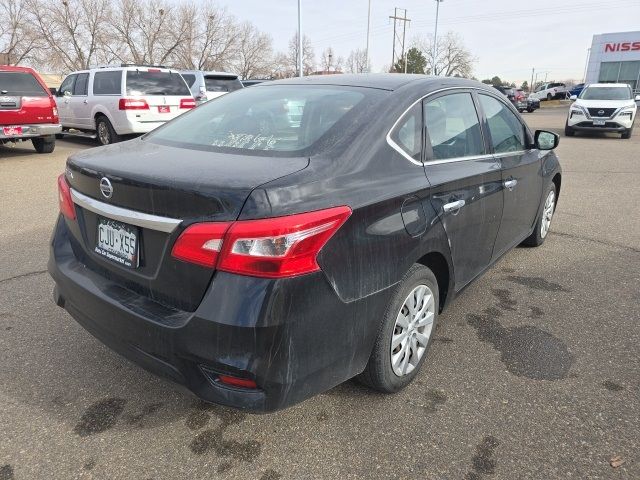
pixel 412 330
pixel 103 133
pixel 547 213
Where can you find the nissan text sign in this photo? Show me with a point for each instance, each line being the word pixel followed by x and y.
pixel 622 47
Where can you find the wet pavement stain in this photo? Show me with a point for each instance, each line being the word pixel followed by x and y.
pixel 100 416
pixel 483 462
pixel 537 283
pixel 535 312
pixel 137 419
pixel 6 472
pixel 197 420
pixel 224 467
pixel 434 398
pixel 213 439
pixel 612 386
pixel 526 351
pixel 270 475
pixel 504 299
pixel 322 416
pixel 90 464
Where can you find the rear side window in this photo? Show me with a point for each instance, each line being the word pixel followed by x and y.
pixel 107 83
pixel 408 133
pixel 217 83
pixel 453 127
pixel 81 86
pixel 190 78
pixel 156 83
pixel 507 133
pixel 20 84
pixel 277 119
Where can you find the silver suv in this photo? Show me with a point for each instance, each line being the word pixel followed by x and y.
pixel 206 86
pixel 109 102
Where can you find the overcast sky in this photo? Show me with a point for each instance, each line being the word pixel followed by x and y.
pixel 507 37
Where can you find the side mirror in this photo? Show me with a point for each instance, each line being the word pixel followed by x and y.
pixel 66 94
pixel 637 98
pixel 573 97
pixel 53 91
pixel 545 140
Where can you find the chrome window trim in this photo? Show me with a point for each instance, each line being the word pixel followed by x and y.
pixel 140 219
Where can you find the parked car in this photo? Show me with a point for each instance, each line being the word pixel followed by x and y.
pixel 111 102
pixel 576 90
pixel 603 107
pixel 532 103
pixel 206 86
pixel 27 109
pixel 268 266
pixel 550 91
pixel 253 81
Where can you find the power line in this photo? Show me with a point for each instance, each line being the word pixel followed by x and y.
pixel 396 36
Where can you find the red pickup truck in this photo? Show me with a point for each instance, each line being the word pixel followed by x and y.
pixel 27 109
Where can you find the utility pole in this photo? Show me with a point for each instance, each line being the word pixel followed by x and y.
pixel 435 38
pixel 300 73
pixel 397 39
pixel 368 35
pixel 586 65
pixel 533 70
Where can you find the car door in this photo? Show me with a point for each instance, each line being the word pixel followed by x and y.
pixel 521 171
pixel 465 179
pixel 63 100
pixel 80 109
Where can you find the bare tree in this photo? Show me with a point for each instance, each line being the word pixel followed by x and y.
pixel 73 31
pixel 357 62
pixel 254 52
pixel 452 57
pixel 329 61
pixel 17 37
pixel 308 55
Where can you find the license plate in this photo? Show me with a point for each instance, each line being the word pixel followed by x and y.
pixel 599 123
pixel 164 109
pixel 12 131
pixel 118 242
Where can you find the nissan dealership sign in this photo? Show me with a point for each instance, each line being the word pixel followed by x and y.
pixel 622 47
pixel 613 47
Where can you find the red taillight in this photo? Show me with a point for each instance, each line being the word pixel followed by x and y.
pixel 133 104
pixel 187 103
pixel 65 202
pixel 272 248
pixel 237 382
pixel 54 110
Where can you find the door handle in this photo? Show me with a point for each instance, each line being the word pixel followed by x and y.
pixel 453 206
pixel 509 184
pixel 85 102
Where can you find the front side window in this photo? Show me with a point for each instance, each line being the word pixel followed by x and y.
pixel 67 85
pixel 276 119
pixel 155 83
pixel 507 133
pixel 81 85
pixel 107 83
pixel 453 127
pixel 20 84
pixel 408 132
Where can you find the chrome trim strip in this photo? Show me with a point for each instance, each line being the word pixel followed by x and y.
pixel 459 159
pixel 144 220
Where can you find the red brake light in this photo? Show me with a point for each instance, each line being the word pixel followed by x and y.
pixel 133 104
pixel 187 103
pixel 237 382
pixel 54 110
pixel 65 202
pixel 272 248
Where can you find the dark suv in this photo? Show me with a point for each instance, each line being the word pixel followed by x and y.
pixel 275 260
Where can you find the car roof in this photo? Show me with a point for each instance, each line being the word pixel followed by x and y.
pixel 383 81
pixel 15 68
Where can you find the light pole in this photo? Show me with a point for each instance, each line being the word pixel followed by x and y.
pixel 586 65
pixel 368 30
pixel 435 38
pixel 299 39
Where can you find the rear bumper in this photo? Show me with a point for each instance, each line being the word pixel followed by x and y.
pixel 294 337
pixel 33 130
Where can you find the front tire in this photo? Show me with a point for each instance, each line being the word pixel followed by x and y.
pixel 406 332
pixel 627 133
pixel 568 131
pixel 543 224
pixel 549 96
pixel 44 144
pixel 105 132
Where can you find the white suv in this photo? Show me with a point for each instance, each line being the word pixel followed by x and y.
pixel 549 91
pixel 206 86
pixel 603 107
pixel 109 102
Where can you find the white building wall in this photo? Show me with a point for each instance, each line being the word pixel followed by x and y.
pixel 598 53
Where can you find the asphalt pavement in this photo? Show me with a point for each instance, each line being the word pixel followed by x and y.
pixel 534 372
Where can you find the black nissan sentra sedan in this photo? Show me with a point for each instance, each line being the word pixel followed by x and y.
pixel 282 239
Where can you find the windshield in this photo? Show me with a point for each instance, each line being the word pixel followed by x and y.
pixel 279 118
pixel 156 83
pixel 20 84
pixel 606 93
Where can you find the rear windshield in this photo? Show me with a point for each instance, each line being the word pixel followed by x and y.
pixel 606 93
pixel 20 84
pixel 221 84
pixel 156 83
pixel 276 119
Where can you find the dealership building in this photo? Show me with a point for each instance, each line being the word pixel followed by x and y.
pixel 615 57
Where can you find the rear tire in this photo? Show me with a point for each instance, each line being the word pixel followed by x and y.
pixel 409 322
pixel 530 110
pixel 543 224
pixel 44 144
pixel 104 131
pixel 627 133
